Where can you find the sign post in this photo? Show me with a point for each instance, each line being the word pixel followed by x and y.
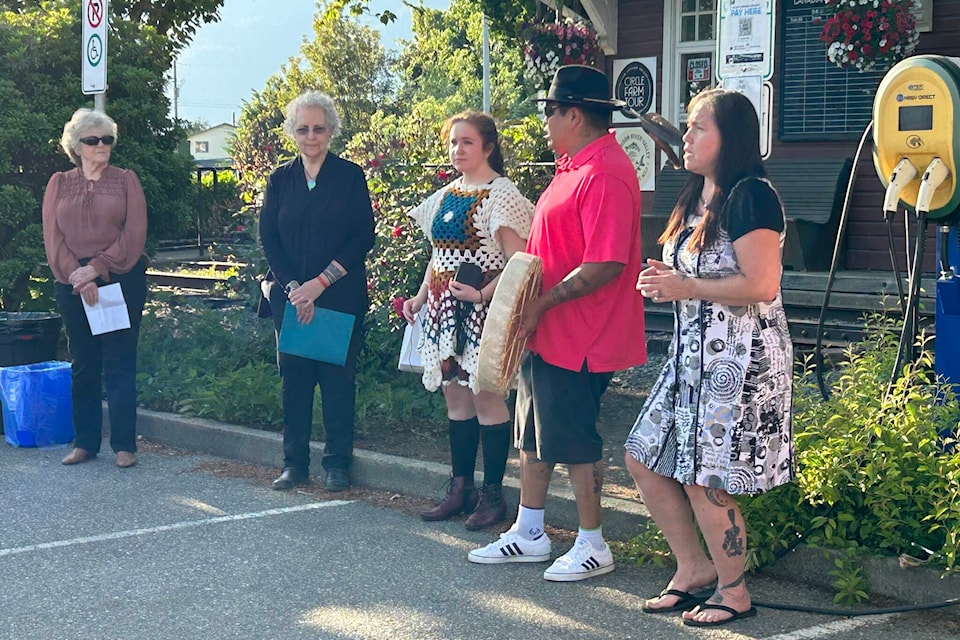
pixel 94 53
pixel 745 57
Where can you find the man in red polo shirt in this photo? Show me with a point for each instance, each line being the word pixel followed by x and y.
pixel 586 324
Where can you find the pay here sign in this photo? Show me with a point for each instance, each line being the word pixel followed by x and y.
pixel 94 55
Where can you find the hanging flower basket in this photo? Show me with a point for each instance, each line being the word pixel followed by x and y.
pixel 869 34
pixel 550 45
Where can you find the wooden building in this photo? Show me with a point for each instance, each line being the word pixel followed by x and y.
pixel 818 116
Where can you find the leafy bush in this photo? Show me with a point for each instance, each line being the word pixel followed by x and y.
pixel 876 471
pixel 221 364
pixel 880 470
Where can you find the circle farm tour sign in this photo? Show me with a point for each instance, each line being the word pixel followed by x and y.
pixel 94 53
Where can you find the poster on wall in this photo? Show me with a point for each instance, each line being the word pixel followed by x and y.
pixel 745 45
pixel 640 148
pixel 634 82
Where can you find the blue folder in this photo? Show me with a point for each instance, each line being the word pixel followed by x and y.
pixel 325 339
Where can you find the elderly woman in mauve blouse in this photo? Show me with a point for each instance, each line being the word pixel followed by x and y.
pixel 94 229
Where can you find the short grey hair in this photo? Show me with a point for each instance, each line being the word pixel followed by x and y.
pixel 81 121
pixel 310 99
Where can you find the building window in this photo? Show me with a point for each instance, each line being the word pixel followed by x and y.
pixel 201 147
pixel 689 53
pixel 697 19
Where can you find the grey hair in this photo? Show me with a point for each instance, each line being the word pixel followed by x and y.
pixel 81 121
pixel 310 99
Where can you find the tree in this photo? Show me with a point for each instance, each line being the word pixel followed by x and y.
pixel 177 19
pixel 444 62
pixel 341 43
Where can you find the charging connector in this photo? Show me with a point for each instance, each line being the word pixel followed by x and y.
pixel 935 175
pixel 903 174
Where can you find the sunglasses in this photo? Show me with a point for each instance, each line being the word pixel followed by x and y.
pixel 550 109
pixel 92 141
pixel 317 130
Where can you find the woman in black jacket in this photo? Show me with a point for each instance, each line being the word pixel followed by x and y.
pixel 316 227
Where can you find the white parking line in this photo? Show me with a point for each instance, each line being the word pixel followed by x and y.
pixel 170 527
pixel 830 628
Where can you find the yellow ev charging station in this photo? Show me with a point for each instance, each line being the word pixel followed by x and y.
pixel 916 151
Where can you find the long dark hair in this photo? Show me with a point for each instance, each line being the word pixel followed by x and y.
pixel 737 158
pixel 487 129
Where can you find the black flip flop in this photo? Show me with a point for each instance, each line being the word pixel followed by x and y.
pixel 686 602
pixel 734 615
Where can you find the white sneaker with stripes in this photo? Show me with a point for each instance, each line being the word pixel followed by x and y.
pixel 512 547
pixel 580 563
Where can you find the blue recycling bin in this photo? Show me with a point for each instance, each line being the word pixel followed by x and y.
pixel 37 404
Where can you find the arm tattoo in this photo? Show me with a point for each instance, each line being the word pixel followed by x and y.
pixel 717 497
pixel 732 541
pixel 570 288
pixel 333 272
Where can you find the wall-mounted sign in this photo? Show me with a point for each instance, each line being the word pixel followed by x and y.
pixel 634 81
pixel 745 45
pixel 640 148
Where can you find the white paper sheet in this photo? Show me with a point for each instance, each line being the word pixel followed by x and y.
pixel 110 312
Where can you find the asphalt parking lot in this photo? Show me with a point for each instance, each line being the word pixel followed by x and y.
pixel 175 549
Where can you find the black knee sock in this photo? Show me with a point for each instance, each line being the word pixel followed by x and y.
pixel 496 447
pixel 464 440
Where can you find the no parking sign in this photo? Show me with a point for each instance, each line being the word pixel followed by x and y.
pixel 94 55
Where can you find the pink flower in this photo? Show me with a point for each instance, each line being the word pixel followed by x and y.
pixel 398 305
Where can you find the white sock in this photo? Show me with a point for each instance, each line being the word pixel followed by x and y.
pixel 593 536
pixel 530 523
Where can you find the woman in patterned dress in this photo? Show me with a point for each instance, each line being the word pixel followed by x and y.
pixel 479 218
pixel 717 423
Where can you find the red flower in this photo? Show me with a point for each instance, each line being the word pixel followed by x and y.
pixel 398 305
pixel 397 231
pixel 442 174
pixel 374 162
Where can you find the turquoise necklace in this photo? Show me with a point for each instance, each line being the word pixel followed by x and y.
pixel 311 182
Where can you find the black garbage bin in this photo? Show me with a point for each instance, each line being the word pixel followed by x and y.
pixel 28 337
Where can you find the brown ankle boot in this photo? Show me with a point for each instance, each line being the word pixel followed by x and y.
pixel 490 510
pixel 461 497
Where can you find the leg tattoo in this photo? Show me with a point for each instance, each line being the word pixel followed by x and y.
pixel 717 497
pixel 732 542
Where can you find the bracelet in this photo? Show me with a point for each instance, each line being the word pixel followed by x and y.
pixel 481 295
pixel 322 280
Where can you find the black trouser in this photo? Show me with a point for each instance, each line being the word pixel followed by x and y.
pixel 338 395
pixel 109 357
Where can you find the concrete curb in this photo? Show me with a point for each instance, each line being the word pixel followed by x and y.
pixel 621 518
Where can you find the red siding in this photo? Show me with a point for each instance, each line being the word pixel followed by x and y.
pixel 640 33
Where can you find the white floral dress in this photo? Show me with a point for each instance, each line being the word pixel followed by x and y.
pixel 720 413
pixel 461 222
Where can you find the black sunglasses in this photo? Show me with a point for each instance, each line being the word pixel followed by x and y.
pixel 550 109
pixel 93 141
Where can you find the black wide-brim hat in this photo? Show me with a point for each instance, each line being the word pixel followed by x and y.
pixel 583 85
